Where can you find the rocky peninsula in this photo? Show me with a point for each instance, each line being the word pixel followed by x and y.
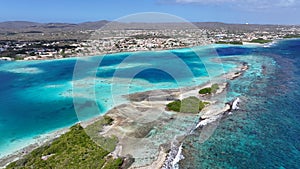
pixel 149 135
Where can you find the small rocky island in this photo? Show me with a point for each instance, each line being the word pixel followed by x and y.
pixel 155 121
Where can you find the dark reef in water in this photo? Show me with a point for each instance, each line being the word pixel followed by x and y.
pixel 264 132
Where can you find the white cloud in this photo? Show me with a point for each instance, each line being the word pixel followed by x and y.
pixel 245 3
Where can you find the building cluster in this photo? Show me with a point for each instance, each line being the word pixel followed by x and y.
pixel 36 50
pixel 143 40
pixel 112 41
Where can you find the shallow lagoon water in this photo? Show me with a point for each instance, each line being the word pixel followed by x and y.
pixel 37 97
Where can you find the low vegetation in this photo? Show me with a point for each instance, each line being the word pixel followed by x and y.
pixel 209 90
pixel 214 88
pixel 174 106
pixel 260 40
pixel 292 36
pixel 188 105
pixel 205 91
pixel 230 42
pixel 113 163
pixel 74 149
pixel 93 130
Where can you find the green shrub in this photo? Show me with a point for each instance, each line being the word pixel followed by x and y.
pixel 205 90
pixel 201 105
pixel 93 130
pixel 292 36
pixel 107 120
pixel 260 40
pixel 214 88
pixel 113 163
pixel 188 105
pixel 74 149
pixel 174 106
pixel 230 42
pixel 209 90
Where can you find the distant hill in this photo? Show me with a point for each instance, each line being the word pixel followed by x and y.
pixel 92 25
pixel 18 24
pixel 239 27
pixel 24 26
pixel 23 30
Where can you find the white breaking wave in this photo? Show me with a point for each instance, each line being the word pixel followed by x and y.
pixel 177 158
pixel 175 154
pixel 207 121
pixel 235 104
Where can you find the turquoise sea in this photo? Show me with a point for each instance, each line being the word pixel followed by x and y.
pixel 38 97
pixel 264 132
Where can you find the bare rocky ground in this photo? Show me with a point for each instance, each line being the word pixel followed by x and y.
pixel 146 130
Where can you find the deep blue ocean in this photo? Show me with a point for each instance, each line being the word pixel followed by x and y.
pixel 265 132
pixel 37 97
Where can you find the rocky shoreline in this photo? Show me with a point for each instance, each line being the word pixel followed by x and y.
pixel 144 123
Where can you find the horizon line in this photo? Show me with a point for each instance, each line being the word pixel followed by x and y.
pixel 104 20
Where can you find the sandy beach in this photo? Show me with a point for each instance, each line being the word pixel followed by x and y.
pixel 145 123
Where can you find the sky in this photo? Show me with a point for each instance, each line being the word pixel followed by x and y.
pixel 228 11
